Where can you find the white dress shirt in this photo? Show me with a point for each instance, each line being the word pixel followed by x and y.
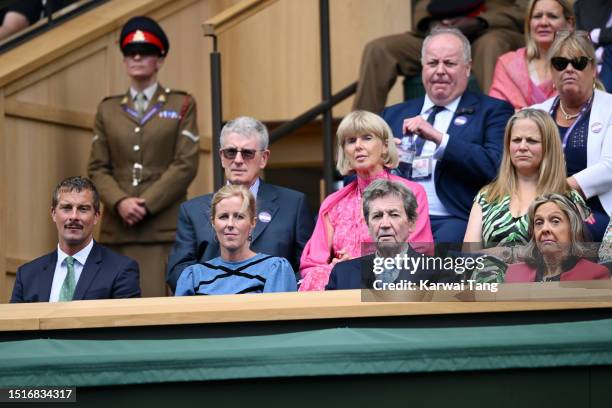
pixel 61 270
pixel 148 92
pixel 441 124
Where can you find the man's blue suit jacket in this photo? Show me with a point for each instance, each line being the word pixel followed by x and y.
pixel 285 235
pixel 358 273
pixel 474 150
pixel 106 275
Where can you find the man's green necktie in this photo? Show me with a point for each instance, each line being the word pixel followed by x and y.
pixel 67 290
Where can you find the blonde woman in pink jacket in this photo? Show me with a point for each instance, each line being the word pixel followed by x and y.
pixel 365 147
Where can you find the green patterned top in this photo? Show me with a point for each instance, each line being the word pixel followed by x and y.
pixel 499 227
pixel 605 250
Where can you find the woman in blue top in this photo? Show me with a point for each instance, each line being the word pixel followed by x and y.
pixel 238 269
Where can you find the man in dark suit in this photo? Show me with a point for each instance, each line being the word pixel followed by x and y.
pixel 389 209
pixel 456 136
pixel 79 268
pixel 284 222
pixel 595 16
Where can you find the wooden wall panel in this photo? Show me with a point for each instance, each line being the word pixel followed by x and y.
pixel 41 155
pixel 76 87
pixel 354 24
pixel 271 63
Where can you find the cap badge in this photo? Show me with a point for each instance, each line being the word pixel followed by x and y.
pixel 139 36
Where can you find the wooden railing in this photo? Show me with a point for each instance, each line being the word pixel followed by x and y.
pixel 234 16
pixel 289 306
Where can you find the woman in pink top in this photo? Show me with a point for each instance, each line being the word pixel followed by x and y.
pixel 523 77
pixel 365 147
pixel 556 250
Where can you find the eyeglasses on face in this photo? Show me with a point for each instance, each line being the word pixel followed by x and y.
pixel 230 153
pixel 579 63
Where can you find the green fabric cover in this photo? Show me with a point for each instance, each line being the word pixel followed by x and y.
pixel 338 351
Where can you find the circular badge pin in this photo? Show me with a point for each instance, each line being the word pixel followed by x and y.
pixel 596 127
pixel 264 216
pixel 460 121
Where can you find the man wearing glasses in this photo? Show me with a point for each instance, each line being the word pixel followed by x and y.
pixel 144 155
pixel 284 222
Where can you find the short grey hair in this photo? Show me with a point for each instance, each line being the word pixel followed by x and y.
pixel 246 127
pixel 383 188
pixel 467 50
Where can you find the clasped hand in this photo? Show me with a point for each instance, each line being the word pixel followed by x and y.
pixel 132 210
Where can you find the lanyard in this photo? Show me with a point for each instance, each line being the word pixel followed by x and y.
pixel 413 143
pixel 585 108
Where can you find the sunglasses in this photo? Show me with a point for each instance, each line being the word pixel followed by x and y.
pixel 230 153
pixel 560 63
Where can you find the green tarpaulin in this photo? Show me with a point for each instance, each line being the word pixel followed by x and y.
pixel 338 351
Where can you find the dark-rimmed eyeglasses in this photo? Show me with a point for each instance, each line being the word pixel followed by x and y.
pixel 579 63
pixel 230 153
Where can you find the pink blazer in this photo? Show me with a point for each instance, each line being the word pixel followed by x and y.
pixel 584 270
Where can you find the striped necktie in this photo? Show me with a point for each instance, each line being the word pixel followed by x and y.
pixel 67 290
pixel 420 142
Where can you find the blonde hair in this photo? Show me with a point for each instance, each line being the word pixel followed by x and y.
pixel 552 172
pixel 576 44
pixel 532 50
pixel 359 123
pixel 234 190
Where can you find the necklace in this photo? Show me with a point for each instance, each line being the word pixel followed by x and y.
pixel 566 115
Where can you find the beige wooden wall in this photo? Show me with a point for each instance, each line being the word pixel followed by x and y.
pixel 271 63
pixel 48 98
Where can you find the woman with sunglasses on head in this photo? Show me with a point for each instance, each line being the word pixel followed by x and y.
pixel 365 147
pixel 523 77
pixel 556 250
pixel 238 269
pixel 583 115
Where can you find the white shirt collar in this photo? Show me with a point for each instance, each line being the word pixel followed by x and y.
pixel 80 256
pixel 149 92
pixel 452 106
pixel 253 188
